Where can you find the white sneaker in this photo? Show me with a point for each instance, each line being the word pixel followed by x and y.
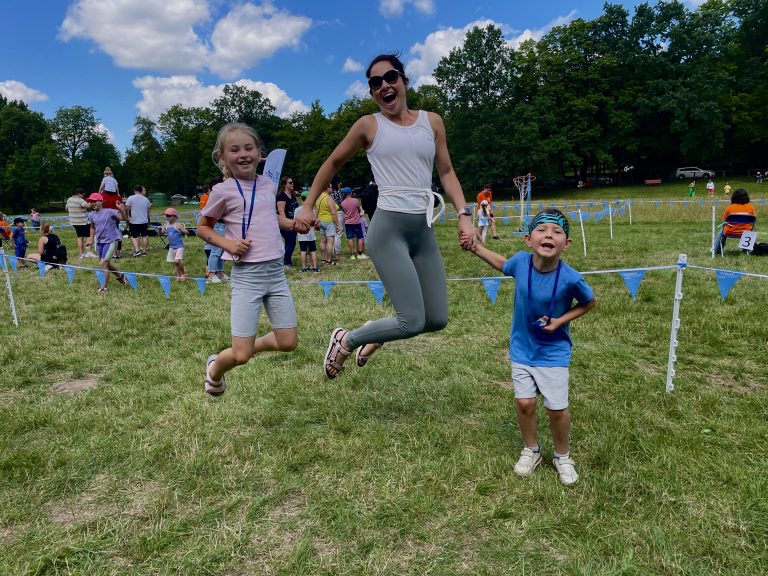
pixel 528 462
pixel 48 267
pixel 566 470
pixel 362 257
pixel 90 255
pixel 223 277
pixel 81 256
pixel 214 280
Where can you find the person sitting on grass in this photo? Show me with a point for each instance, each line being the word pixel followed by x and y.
pixel 106 234
pixel 540 343
pixel 173 231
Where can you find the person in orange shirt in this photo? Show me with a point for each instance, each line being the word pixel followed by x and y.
pixel 204 196
pixel 486 194
pixel 739 205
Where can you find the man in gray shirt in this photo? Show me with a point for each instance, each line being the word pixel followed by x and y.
pixel 138 208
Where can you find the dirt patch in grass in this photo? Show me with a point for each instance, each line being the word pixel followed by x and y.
pixel 74 386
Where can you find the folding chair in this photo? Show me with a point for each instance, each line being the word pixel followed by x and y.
pixel 153 231
pixel 746 222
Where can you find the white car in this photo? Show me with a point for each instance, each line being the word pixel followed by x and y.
pixel 693 172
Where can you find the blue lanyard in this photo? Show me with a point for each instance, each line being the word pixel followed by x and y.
pixel 551 298
pixel 250 212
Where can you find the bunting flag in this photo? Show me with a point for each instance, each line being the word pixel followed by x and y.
pixel 658 202
pixel 491 286
pixel 725 280
pixel 573 215
pixel 701 202
pixel 3 265
pixel 131 278
pixel 632 279
pixel 70 273
pixel 591 204
pixel 165 283
pixel 377 289
pixel 101 276
pixel 327 287
pixel 201 285
pixel 762 201
pixel 578 205
pixel 12 260
pixel 505 219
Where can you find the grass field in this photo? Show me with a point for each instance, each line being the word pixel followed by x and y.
pixel 114 461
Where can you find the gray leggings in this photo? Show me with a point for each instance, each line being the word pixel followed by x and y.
pixel 406 256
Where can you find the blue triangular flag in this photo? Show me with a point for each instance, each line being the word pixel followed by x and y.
pixel 3 265
pixel 565 206
pixel 131 277
pixel 632 279
pixel 658 202
pixel 101 276
pixel 716 202
pixel 327 288
pixel 618 202
pixel 506 207
pixel 491 286
pixel 685 202
pixel 200 285
pixel 442 220
pixel 701 202
pixel 726 279
pixel 505 219
pixel 578 205
pixel 12 260
pixel 573 215
pixel 605 203
pixel 165 282
pixel 591 204
pixel 541 207
pixel 41 267
pixel 377 289
pixel 762 200
pixel 70 273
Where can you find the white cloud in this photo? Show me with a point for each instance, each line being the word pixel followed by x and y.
pixel 15 90
pixel 351 66
pixel 529 34
pixel 107 132
pixel 166 36
pixel 393 8
pixel 357 88
pixel 143 34
pixel 159 94
pixel 250 33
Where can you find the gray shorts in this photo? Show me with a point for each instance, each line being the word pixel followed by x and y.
pixel 549 381
pixel 254 284
pixel 327 229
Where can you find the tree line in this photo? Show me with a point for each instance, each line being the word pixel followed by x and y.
pixel 633 95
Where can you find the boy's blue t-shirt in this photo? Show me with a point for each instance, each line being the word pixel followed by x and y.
pixel 19 237
pixel 527 345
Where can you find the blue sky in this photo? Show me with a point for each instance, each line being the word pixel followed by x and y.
pixel 139 57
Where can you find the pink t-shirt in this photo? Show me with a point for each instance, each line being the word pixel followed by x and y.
pixel 225 203
pixel 351 207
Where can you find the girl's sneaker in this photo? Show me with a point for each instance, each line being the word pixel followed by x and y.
pixel 305 269
pixel 315 269
pixel 528 461
pixel 566 469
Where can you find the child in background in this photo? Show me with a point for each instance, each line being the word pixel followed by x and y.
pixel 483 216
pixel 692 189
pixel 34 217
pixel 246 204
pixel 215 267
pixel 106 235
pixel 710 188
pixel 307 241
pixel 174 231
pixel 20 242
pixel 540 343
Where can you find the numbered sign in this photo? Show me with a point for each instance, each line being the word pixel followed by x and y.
pixel 747 241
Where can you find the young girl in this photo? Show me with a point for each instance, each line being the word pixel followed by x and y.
pixel 483 215
pixel 106 234
pixel 307 244
pixel 174 231
pixel 246 204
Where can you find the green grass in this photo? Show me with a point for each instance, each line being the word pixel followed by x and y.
pixel 404 467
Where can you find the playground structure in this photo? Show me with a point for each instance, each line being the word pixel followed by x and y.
pixel 524 186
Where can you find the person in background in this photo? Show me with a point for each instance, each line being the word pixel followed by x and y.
pixel 139 207
pixel 740 204
pixel 286 206
pixel 727 189
pixel 77 208
pixel 328 224
pixel 692 189
pixel 110 193
pixel 353 225
pixel 34 219
pixel 487 194
pixel 710 188
pixel 19 236
pixel 49 249
pixel 174 231
pixel 307 244
pixel 106 234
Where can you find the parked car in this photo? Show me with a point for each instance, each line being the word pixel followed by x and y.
pixel 693 172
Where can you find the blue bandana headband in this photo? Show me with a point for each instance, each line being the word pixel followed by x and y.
pixel 548 218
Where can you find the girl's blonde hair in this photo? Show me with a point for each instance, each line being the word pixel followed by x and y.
pixel 107 171
pixel 225 131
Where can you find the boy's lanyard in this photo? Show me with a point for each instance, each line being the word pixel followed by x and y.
pixel 551 299
pixel 245 227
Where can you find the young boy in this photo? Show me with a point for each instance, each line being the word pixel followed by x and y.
pixel 20 242
pixel 307 241
pixel 173 231
pixel 540 344
pixel 106 234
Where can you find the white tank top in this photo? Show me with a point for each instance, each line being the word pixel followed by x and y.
pixel 402 158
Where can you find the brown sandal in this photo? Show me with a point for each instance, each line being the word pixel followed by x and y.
pixel 363 360
pixel 334 349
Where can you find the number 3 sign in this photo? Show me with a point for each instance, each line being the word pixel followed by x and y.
pixel 747 241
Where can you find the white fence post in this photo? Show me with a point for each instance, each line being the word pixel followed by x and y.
pixel 583 238
pixel 682 262
pixel 9 288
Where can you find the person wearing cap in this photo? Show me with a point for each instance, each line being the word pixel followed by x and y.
pixel 307 246
pixel 77 208
pixel 174 231
pixel 353 224
pixel 540 342
pixel 19 236
pixel 486 194
pixel 106 233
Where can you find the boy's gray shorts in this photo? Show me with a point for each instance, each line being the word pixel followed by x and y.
pixel 549 381
pixel 257 283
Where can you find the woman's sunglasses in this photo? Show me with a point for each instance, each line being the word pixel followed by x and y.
pixel 391 76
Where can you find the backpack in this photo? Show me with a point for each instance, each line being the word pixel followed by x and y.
pixel 760 249
pixel 60 254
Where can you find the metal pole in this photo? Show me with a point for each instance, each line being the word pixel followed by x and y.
pixel 682 262
pixel 583 237
pixel 610 220
pixel 629 203
pixel 713 230
pixel 9 288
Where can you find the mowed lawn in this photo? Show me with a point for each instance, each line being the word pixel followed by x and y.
pixel 114 461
